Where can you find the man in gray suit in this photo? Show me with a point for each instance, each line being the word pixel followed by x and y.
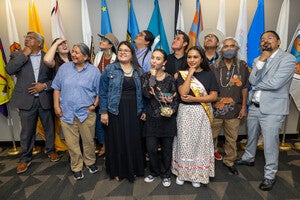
pixel 32 95
pixel 271 78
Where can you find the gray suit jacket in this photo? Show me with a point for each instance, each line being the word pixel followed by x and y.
pixel 20 65
pixel 274 80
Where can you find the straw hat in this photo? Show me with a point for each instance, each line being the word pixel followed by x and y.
pixel 209 31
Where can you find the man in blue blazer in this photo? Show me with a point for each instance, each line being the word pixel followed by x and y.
pixel 32 95
pixel 271 78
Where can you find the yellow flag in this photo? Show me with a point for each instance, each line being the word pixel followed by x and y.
pixel 34 21
pixel 6 83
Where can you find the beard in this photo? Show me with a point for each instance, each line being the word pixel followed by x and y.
pixel 266 47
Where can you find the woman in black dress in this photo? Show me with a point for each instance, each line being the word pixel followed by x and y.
pixel 160 127
pixel 121 109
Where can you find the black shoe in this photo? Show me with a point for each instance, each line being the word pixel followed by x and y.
pixel 243 162
pixel 78 175
pixel 92 168
pixel 267 184
pixel 233 169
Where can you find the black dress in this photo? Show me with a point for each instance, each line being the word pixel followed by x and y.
pixel 124 155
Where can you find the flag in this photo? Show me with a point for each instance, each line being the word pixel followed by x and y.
pixel 241 30
pixel 294 48
pixel 6 84
pixel 34 21
pixel 105 19
pixel 92 51
pixel 179 21
pixel 13 37
pixel 132 26
pixel 156 27
pixel 221 24
pixel 56 22
pixel 197 26
pixel 257 28
pixel 86 26
pixel 283 24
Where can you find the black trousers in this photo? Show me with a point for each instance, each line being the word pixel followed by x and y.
pixel 29 120
pixel 160 164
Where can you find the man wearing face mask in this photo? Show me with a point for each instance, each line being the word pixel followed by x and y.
pixel 270 78
pixel 232 75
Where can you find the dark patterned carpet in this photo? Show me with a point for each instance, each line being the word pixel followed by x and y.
pixel 47 180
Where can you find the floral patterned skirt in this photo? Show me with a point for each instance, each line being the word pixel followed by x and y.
pixel 193 149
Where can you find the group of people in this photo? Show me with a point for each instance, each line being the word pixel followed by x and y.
pixel 139 101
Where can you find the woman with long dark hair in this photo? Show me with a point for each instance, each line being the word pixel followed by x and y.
pixel 58 54
pixel 159 89
pixel 193 150
pixel 106 55
pixel 121 109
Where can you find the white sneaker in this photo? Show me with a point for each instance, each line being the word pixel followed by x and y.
pixel 196 184
pixel 179 182
pixel 149 178
pixel 166 182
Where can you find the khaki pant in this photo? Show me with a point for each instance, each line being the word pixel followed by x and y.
pixel 72 134
pixel 231 129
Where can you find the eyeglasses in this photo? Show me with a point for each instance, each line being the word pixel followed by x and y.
pixel 124 51
pixel 270 37
pixel 209 36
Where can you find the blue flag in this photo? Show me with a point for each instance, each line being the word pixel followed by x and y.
pixel 156 26
pixel 105 20
pixel 257 28
pixel 132 26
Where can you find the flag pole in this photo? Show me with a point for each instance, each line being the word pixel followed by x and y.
pixel 297 144
pixel 15 150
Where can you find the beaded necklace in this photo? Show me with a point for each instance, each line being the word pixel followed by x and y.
pixel 221 77
pixel 128 73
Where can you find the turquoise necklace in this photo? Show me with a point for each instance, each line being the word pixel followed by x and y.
pixel 128 73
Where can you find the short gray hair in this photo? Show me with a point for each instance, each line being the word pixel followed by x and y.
pixel 39 38
pixel 84 49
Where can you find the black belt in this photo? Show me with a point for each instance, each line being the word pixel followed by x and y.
pixel 255 104
pixel 36 96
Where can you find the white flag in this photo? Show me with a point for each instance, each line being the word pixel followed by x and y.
pixel 283 24
pixel 221 19
pixel 241 30
pixel 86 26
pixel 56 22
pixel 13 37
pixel 180 20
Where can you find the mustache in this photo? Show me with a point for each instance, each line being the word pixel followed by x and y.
pixel 266 47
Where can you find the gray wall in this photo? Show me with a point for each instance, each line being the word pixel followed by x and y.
pixel 71 15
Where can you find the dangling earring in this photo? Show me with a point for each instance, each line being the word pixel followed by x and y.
pixel 108 52
pixel 163 68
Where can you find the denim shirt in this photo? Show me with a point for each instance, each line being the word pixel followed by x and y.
pixel 111 89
